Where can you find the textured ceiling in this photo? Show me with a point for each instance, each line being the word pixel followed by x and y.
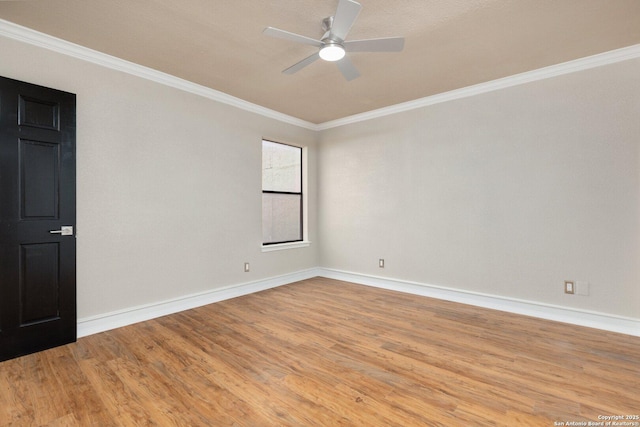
pixel 449 43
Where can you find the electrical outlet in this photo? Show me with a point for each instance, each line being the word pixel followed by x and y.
pixel 569 287
pixel 381 263
pixel 246 267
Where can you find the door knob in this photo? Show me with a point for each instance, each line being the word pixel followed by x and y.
pixel 65 230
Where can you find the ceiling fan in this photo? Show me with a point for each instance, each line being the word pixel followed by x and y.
pixel 332 46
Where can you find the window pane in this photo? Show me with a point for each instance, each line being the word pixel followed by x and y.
pixel 281 167
pixel 281 217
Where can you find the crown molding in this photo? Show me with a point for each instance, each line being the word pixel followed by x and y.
pixel 606 58
pixel 36 38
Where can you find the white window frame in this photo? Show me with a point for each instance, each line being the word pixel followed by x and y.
pixel 305 242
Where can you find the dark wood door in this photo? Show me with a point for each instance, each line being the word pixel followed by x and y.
pixel 37 218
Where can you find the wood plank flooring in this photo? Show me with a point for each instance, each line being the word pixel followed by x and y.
pixel 328 353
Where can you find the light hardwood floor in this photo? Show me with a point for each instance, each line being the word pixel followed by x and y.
pixel 324 352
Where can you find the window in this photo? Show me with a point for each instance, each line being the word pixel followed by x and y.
pixel 281 193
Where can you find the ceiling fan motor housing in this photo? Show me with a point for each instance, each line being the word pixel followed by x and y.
pixel 327 23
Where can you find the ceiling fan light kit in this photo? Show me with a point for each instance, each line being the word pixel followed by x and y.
pixel 333 47
pixel 331 52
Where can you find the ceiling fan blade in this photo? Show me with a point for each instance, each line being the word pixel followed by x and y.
pixel 390 44
pixel 348 70
pixel 344 18
pixel 300 65
pixel 282 34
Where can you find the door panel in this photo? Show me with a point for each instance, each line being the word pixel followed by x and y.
pixel 38 113
pixel 37 197
pixel 39 282
pixel 39 179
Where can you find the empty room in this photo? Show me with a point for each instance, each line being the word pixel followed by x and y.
pixel 320 213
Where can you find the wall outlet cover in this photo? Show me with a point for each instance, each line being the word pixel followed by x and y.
pixel 569 287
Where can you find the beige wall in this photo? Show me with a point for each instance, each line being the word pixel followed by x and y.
pixel 169 185
pixel 507 193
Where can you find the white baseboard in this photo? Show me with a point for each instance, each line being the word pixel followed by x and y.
pixel 117 319
pixel 607 322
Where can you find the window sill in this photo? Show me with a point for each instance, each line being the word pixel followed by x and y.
pixel 283 246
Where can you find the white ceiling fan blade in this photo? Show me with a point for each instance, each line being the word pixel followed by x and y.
pixel 282 34
pixel 344 18
pixel 348 70
pixel 300 65
pixel 390 44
